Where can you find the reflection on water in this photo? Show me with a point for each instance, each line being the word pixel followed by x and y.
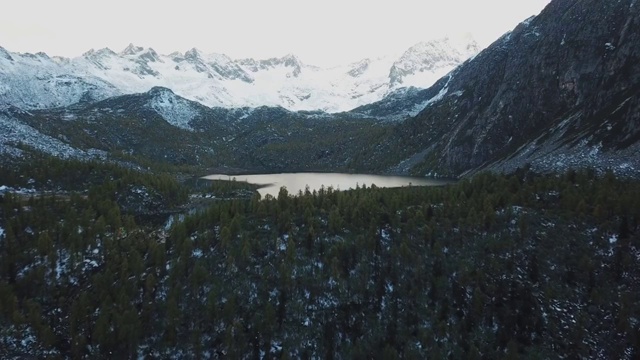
pixel 295 182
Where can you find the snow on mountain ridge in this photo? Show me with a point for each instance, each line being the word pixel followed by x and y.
pixel 431 60
pixel 37 81
pixel 150 55
pixel 131 50
pixel 175 110
pixel 217 80
pixel 5 54
pixel 14 132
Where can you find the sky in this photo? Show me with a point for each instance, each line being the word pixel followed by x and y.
pixel 319 32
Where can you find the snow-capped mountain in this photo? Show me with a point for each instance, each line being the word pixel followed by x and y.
pixel 426 62
pixel 39 81
pixel 35 81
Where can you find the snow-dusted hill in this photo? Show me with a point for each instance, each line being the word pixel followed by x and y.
pixel 15 133
pixel 38 81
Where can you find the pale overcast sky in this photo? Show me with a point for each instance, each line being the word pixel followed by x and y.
pixel 320 32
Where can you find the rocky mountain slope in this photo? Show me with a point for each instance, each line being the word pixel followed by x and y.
pixel 38 81
pixel 554 93
pixel 159 126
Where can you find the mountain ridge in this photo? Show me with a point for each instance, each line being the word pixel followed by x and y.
pixel 552 93
pixel 216 80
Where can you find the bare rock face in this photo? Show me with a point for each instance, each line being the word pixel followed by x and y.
pixel 563 84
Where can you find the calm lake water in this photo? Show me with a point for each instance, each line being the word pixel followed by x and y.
pixel 294 182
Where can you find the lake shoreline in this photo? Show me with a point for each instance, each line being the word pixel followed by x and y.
pixel 294 182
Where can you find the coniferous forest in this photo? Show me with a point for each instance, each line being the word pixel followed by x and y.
pixel 492 267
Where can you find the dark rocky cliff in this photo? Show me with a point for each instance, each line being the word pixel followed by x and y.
pixel 560 90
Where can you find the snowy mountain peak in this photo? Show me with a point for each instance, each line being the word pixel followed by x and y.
pixel 101 53
pixel 176 110
pixel 444 49
pixel 160 91
pixel 359 68
pixel 291 60
pixel 195 58
pixel 193 54
pixel 150 55
pixel 219 58
pixel 463 42
pixel 429 57
pixel 224 68
pixel 106 52
pixel 131 50
pixel 4 54
pixel 288 60
pixel 37 81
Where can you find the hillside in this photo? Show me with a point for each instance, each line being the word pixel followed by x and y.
pixel 554 93
pixel 526 266
pixel 162 128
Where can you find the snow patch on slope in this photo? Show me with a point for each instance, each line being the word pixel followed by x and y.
pixel 176 111
pixel 439 96
pixel 38 81
pixel 14 132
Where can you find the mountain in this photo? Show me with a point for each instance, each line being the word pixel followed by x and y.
pixel 159 126
pixel 399 105
pixel 553 93
pixel 39 81
pixel 426 62
pixel 15 134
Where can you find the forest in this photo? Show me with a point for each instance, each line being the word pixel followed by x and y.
pixel 527 265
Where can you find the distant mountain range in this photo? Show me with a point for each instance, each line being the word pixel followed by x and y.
pixel 38 81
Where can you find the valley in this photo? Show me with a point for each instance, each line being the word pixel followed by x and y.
pixel 296 183
pixel 448 202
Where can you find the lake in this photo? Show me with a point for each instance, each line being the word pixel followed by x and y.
pixel 294 182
